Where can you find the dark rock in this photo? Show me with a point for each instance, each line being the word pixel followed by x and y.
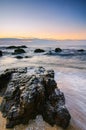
pixel 4 79
pixel 19 51
pixel 16 47
pixel 19 57
pixel 0 53
pixel 23 46
pixel 28 95
pixel 81 50
pixel 27 57
pixel 39 50
pixel 11 47
pixel 58 49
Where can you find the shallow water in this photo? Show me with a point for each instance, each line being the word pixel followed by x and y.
pixel 70 74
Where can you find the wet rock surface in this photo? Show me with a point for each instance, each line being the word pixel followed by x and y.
pixel 30 92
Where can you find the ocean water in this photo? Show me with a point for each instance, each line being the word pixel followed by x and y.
pixel 70 74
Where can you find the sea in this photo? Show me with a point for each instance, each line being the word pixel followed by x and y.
pixel 70 74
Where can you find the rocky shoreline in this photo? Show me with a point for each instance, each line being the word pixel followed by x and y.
pixel 31 93
pixel 21 52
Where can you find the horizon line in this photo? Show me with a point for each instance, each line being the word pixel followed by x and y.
pixel 31 38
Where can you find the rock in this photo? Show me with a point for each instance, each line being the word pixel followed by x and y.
pixel 19 51
pixel 11 47
pixel 81 50
pixel 39 50
pixel 58 49
pixel 23 46
pixel 27 56
pixel 16 47
pixel 19 57
pixel 29 94
pixel 4 79
pixel 0 53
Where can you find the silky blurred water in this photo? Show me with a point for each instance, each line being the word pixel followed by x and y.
pixel 70 74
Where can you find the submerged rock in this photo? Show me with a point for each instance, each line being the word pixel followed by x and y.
pixel 30 93
pixel 0 53
pixel 58 49
pixel 49 53
pixel 39 50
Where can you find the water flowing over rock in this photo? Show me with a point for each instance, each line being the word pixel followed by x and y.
pixel 30 92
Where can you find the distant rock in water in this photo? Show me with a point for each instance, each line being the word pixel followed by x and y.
pixel 31 92
pixel 16 47
pixel 23 46
pixel 0 53
pixel 11 47
pixel 81 50
pixel 19 57
pixel 39 50
pixel 27 57
pixel 19 51
pixel 58 49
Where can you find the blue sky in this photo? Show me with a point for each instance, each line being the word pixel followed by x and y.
pixel 59 19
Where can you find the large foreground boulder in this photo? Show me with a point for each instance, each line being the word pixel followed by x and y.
pixel 29 92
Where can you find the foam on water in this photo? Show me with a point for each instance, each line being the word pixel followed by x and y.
pixel 73 86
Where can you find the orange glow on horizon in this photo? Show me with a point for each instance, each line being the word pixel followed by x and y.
pixel 74 36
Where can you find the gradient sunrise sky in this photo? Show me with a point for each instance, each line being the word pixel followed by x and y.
pixel 55 19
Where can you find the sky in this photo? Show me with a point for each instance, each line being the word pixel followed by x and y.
pixel 50 19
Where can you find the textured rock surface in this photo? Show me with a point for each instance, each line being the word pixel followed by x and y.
pixel 30 92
